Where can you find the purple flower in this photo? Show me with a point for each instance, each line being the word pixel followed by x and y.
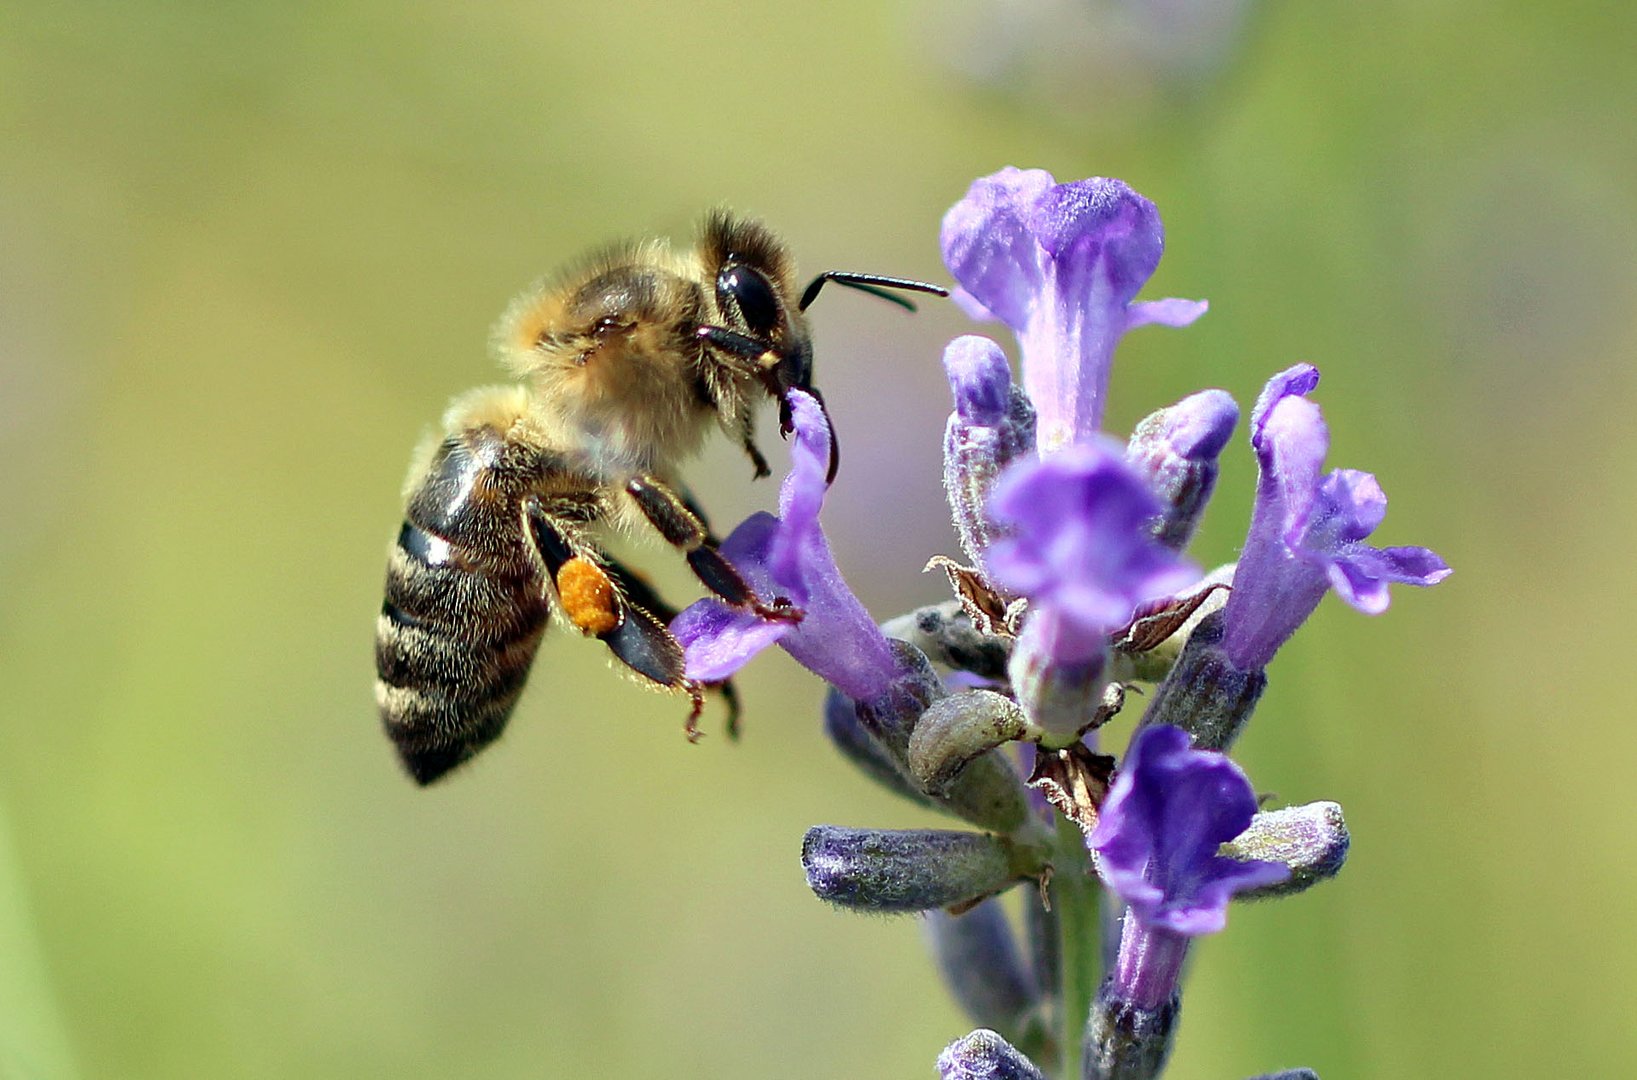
pixel 1080 547
pixel 1061 265
pixel 1170 810
pixel 1307 530
pixel 1176 450
pixel 788 556
pixel 992 425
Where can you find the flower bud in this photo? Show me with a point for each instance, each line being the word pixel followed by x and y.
pixel 993 423
pixel 984 1055
pixel 978 957
pixel 858 746
pixel 944 632
pixel 1289 1074
pixel 956 730
pixel 894 870
pixel 1176 450
pixel 1312 840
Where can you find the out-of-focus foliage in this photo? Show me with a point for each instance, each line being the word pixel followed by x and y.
pixel 248 253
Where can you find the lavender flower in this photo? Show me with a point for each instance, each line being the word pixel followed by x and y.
pixel 993 424
pixel 1176 450
pixel 789 556
pixel 1060 264
pixel 1080 547
pixel 1088 533
pixel 1170 810
pixel 1163 824
pixel 1307 531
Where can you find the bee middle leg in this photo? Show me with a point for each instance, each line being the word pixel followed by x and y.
pixel 683 528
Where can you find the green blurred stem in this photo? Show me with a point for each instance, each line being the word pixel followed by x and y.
pixel 1075 897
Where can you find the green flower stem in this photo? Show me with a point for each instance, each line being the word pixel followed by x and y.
pixel 1076 899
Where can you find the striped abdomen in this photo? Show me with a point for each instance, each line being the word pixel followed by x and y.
pixel 465 606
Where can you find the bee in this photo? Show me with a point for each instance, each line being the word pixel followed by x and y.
pixel 628 360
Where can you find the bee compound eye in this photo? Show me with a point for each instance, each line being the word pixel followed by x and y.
pixel 747 291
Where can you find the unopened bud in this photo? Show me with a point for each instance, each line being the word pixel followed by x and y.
pixel 957 730
pixel 1289 1074
pixel 946 634
pixel 977 955
pixel 894 870
pixel 1312 840
pixel 992 424
pixel 984 1055
pixel 1176 449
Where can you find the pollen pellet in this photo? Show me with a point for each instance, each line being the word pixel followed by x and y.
pixel 587 596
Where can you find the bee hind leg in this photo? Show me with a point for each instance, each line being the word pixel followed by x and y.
pixel 647 646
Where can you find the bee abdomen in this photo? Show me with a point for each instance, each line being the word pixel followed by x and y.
pixel 453 645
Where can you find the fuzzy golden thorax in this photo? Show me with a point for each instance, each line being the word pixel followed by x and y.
pixel 615 366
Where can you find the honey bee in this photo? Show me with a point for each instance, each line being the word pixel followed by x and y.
pixel 628 360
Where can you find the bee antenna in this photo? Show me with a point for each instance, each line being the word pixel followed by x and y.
pixel 874 284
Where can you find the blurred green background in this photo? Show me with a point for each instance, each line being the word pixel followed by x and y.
pixel 247 252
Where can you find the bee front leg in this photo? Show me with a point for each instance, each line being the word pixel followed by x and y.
pixel 682 528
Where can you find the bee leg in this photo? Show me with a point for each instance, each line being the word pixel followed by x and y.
pixel 757 460
pixel 640 595
pixel 682 528
pixel 613 604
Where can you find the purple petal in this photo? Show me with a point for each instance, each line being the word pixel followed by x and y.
pixel 1168 312
pixel 1361 575
pixel 1080 542
pixel 1170 810
pixel 980 379
pixel 802 495
pixel 718 640
pixel 1296 381
pixel 1355 499
pixel 1104 221
pixel 988 245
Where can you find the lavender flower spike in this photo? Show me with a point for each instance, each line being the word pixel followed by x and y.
pixel 1307 532
pixel 1060 264
pixel 788 556
pixel 1080 548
